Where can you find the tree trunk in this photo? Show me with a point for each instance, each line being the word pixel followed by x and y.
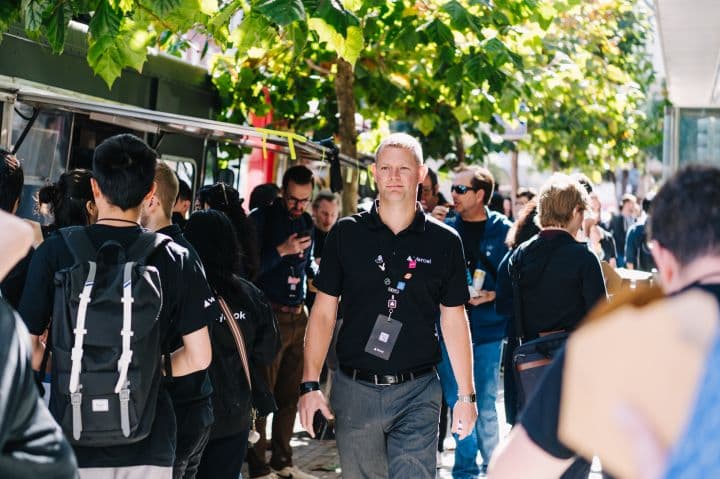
pixel 460 147
pixel 344 80
pixel 514 177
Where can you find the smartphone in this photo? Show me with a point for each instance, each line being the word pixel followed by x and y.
pixel 323 428
pixel 304 234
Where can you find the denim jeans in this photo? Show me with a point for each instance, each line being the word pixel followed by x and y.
pixel 387 431
pixel 485 436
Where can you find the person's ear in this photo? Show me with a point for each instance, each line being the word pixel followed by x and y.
pixel 422 174
pixel 151 193
pixel 95 189
pixel 667 265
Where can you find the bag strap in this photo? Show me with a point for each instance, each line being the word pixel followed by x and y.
pixel 79 243
pixel 237 336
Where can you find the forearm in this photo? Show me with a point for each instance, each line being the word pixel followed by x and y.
pixel 38 350
pixel 183 364
pixel 318 336
pixel 456 333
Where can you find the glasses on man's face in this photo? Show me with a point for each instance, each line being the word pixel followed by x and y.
pixel 461 189
pixel 292 201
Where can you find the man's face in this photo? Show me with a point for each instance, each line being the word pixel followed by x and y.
pixel 397 175
pixel 429 197
pixel 629 208
pixel 326 215
pixel 469 202
pixel 296 198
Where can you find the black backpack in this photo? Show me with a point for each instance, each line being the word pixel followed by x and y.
pixel 105 341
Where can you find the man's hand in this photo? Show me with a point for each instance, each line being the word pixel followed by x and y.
pixel 294 245
pixel 482 297
pixel 307 405
pixel 464 416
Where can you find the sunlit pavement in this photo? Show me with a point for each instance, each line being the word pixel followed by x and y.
pixel 321 458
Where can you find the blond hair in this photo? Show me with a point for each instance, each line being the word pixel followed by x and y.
pixel 167 187
pixel 557 200
pixel 404 142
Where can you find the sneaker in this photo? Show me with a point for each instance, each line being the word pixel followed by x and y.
pixel 292 472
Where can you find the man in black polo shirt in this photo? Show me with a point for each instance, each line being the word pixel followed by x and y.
pixel 684 261
pixel 397 271
pixel 284 231
pixel 190 394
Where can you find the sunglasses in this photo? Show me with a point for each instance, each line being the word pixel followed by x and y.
pixel 461 189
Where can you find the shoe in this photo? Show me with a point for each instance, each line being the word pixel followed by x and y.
pixel 292 472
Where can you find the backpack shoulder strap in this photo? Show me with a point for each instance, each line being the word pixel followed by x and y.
pixel 514 268
pixel 145 245
pixel 79 243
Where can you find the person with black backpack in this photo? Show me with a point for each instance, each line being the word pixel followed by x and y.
pixel 245 339
pixel 114 292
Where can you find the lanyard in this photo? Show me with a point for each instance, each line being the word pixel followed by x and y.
pixel 400 284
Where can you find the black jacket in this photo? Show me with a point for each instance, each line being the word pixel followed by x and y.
pixel 32 444
pixel 560 280
pixel 232 400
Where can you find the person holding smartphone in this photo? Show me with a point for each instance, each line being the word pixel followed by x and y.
pixel 284 232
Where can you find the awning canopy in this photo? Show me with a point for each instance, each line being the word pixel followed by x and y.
pixel 157 122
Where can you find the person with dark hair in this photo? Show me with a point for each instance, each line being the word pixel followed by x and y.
pixel 211 233
pixel 637 251
pixel 483 232
pixel 11 182
pixel 11 185
pixel 263 195
pixel 685 262
pixel 69 201
pixel 620 224
pixel 497 203
pixel 175 300
pixel 227 199
pixel 190 394
pixel 431 197
pixel 285 233
pixel 523 229
pixel 183 203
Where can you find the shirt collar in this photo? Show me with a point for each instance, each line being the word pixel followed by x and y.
pixel 172 230
pixel 417 225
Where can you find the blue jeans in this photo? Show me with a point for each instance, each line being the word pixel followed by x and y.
pixel 485 436
pixel 387 431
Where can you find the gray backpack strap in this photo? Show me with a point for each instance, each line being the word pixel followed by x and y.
pixel 145 245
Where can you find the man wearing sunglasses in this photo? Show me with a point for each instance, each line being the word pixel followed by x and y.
pixel 285 236
pixel 483 235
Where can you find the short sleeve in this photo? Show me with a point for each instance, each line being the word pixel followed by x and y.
pixel 541 415
pixel 196 303
pixel 329 279
pixel 454 289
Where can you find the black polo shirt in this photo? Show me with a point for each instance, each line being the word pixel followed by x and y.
pixel 427 257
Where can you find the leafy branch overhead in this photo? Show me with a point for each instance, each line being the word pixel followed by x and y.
pixel 452 72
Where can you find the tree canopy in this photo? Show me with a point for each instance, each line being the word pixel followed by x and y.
pixel 451 72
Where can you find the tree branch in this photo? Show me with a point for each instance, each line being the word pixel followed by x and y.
pixel 317 68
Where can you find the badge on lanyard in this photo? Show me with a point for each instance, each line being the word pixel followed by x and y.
pixel 383 337
pixel 293 282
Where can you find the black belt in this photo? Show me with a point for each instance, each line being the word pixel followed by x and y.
pixel 386 379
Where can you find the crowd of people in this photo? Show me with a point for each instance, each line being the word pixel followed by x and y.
pixel 161 338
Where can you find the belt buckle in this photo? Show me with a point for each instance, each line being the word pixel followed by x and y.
pixel 387 380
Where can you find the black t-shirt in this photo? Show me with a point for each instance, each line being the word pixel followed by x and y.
pixel 190 394
pixel 14 283
pixel 541 417
pixel 427 257
pixel 31 442
pixel 319 242
pixel 472 235
pixel 187 302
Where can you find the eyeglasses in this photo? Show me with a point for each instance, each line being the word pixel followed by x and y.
pixel 461 189
pixel 297 201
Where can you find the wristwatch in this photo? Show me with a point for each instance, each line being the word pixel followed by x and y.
pixel 471 398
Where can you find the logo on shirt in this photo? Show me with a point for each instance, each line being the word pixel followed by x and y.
pixel 208 302
pixel 240 315
pixel 417 259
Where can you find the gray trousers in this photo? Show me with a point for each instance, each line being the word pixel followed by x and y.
pixel 387 431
